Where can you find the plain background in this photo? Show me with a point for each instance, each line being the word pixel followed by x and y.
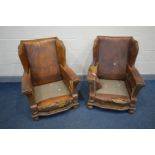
pixel 78 41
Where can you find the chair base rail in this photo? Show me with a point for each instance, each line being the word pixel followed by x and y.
pixel 54 111
pixel 111 106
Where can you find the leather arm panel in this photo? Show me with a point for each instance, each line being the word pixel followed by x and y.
pixel 135 81
pixel 70 78
pixel 92 76
pixel 26 84
pixel 92 73
pixel 93 80
pixel 28 91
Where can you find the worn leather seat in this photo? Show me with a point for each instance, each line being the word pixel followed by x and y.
pixel 114 82
pixel 48 82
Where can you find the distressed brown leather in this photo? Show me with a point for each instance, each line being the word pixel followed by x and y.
pixel 114 59
pixel 111 98
pixel 27 84
pixel 134 81
pixel 68 73
pixel 92 77
pixel 57 102
pixel 71 81
pixel 44 61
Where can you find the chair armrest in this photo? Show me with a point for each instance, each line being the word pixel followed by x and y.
pixel 93 81
pixel 135 80
pixel 70 78
pixel 68 73
pixel 92 73
pixel 28 91
pixel 92 76
pixel 26 84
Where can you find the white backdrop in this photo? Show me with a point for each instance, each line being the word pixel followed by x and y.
pixel 78 42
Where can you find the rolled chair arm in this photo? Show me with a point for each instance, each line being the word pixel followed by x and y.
pixel 93 81
pixel 28 91
pixel 135 80
pixel 136 76
pixel 70 78
pixel 68 73
pixel 92 73
pixel 92 76
pixel 26 84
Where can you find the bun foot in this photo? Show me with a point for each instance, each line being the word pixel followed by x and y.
pixel 90 106
pixel 132 111
pixel 75 106
pixel 36 118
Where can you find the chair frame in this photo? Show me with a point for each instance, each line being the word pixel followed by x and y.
pixel 69 77
pixel 134 82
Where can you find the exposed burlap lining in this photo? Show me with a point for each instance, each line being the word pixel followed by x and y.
pixel 114 87
pixel 50 90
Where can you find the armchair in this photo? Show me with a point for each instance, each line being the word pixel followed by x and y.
pixel 48 82
pixel 114 82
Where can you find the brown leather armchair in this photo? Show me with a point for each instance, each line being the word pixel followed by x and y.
pixel 114 82
pixel 48 82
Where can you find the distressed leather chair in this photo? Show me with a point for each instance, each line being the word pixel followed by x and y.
pixel 114 82
pixel 48 82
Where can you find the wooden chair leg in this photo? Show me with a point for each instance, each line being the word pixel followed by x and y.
pixel 90 106
pixel 132 111
pixel 75 106
pixel 132 107
pixel 35 118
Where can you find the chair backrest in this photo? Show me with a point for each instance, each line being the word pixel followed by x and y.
pixel 112 55
pixel 42 60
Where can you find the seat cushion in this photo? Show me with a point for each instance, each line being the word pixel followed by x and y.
pixel 50 90
pixel 113 87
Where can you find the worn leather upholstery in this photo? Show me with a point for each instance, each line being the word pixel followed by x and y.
pixel 113 57
pixel 113 64
pixel 44 65
pixel 48 82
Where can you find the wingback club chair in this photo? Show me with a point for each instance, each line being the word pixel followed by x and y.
pixel 114 82
pixel 48 82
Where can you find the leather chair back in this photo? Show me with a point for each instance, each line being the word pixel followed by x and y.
pixel 42 59
pixel 112 55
